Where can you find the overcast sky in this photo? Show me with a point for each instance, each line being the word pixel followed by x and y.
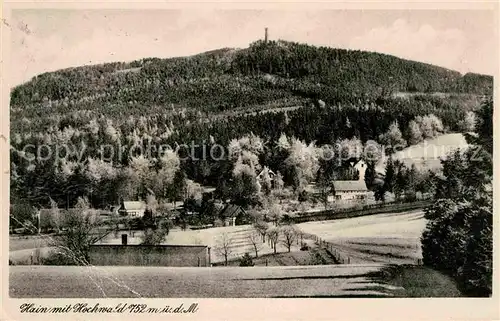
pixel 47 40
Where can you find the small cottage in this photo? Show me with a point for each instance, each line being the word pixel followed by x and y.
pixel 232 213
pixel 353 189
pixel 132 208
pixel 266 172
pixel 350 190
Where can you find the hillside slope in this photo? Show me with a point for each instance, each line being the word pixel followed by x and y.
pixel 229 78
pixel 427 155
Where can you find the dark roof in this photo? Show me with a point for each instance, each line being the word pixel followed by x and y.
pixel 350 186
pixel 231 210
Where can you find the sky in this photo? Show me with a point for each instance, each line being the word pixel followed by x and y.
pixel 48 40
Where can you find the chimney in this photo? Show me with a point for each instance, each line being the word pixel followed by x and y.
pixel 265 36
pixel 124 239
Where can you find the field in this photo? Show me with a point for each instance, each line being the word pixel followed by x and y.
pixel 426 155
pixel 225 282
pixel 17 243
pixel 384 238
pixel 381 238
pixel 238 235
pixel 371 242
pixel 23 248
pixel 314 256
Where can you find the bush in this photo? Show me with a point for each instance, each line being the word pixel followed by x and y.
pixel 136 223
pixel 58 258
pixel 459 241
pixel 304 246
pixel 218 223
pixel 246 260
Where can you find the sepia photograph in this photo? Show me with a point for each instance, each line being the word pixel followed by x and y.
pixel 248 153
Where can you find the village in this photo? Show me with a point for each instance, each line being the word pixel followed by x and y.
pixel 124 224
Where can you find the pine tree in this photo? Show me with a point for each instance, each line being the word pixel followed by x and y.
pixel 370 175
pixel 390 178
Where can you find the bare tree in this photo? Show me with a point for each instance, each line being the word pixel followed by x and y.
pixel 83 228
pixel 255 240
pixel 275 213
pixel 261 228
pixel 223 246
pixel 273 236
pixel 289 236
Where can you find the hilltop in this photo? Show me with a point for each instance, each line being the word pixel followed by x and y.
pixel 225 79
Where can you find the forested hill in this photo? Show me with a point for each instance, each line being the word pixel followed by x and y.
pixel 228 78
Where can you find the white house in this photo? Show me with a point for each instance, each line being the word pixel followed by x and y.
pixel 354 189
pixel 133 208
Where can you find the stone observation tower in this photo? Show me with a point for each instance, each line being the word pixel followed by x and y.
pixel 265 36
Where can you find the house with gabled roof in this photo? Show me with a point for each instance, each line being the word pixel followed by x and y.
pixel 352 189
pixel 132 208
pixel 263 172
pixel 230 213
pixel 269 172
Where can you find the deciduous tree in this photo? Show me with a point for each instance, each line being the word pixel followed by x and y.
pixel 289 236
pixel 224 246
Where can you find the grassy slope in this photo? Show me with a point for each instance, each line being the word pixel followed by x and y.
pixel 380 238
pixel 225 282
pixel 415 281
pixel 426 155
pixel 314 256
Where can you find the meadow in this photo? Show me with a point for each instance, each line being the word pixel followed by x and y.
pixel 114 281
pixel 28 249
pixel 427 154
pixel 320 281
pixel 383 238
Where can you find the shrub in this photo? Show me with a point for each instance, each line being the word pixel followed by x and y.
pixel 218 223
pixel 304 246
pixel 246 260
pixel 58 258
pixel 458 241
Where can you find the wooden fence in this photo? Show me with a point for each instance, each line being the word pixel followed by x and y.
pixel 338 256
pixel 354 212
